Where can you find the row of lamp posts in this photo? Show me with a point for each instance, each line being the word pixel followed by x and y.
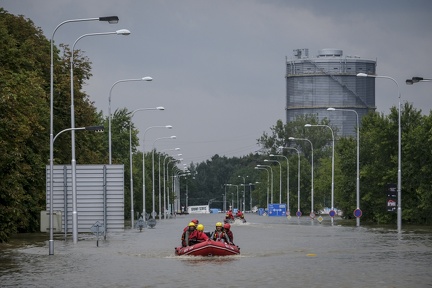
pixel 111 20
pixel 399 177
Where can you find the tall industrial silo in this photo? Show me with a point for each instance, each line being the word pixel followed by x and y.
pixel 329 80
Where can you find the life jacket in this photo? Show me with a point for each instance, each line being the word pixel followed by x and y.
pixel 201 236
pixel 220 236
pixel 230 235
pixel 189 238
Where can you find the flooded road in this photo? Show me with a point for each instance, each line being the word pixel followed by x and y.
pixel 275 252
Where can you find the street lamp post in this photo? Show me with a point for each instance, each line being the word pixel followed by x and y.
pixel 164 177
pixel 167 177
pixel 271 171
pixel 358 158
pixel 280 177
pixel 268 183
pixel 143 161
pixel 399 185
pixel 298 179
pixel 224 199
pixel 332 184
pixel 109 19
pixel 73 162
pixel 312 173
pixel 109 110
pixel 130 159
pixel 160 196
pixel 237 193
pixel 173 184
pixel 153 175
pixel 88 128
pixel 250 195
pixel 243 208
pixel 286 158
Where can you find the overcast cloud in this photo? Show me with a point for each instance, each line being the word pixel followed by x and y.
pixel 219 66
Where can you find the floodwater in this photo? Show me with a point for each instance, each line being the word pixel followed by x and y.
pixel 275 252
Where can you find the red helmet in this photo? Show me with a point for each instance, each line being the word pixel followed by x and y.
pixel 227 226
pixel 195 221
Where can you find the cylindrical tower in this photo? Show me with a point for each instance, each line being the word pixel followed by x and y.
pixel 329 80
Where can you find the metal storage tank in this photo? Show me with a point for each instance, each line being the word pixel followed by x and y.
pixel 329 80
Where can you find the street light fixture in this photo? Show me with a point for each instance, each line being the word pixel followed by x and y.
pixel 110 19
pixel 130 160
pixel 414 80
pixel 312 174
pixel 153 175
pixel 73 164
pixel 358 158
pixel 332 212
pixel 147 78
pixel 399 185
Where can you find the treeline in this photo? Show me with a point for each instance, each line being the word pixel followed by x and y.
pixel 378 167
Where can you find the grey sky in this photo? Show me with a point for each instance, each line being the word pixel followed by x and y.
pixel 218 66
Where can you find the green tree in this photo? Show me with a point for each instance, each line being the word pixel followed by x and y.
pixel 24 117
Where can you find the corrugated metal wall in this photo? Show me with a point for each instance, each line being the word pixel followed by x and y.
pixel 91 181
pixel 313 85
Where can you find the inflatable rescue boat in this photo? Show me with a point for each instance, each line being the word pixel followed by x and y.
pixel 208 248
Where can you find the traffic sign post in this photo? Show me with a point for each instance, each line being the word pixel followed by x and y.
pixel 391 197
pixel 357 213
pixel 140 224
pixel 298 214
pixel 332 213
pixel 97 229
pixel 151 223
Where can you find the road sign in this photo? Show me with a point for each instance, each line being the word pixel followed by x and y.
pixel 277 209
pixel 298 214
pixel 151 223
pixel 357 213
pixel 312 215
pixel 332 213
pixel 320 219
pixel 97 228
pixel 391 205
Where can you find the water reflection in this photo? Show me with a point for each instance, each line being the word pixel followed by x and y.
pixel 274 252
